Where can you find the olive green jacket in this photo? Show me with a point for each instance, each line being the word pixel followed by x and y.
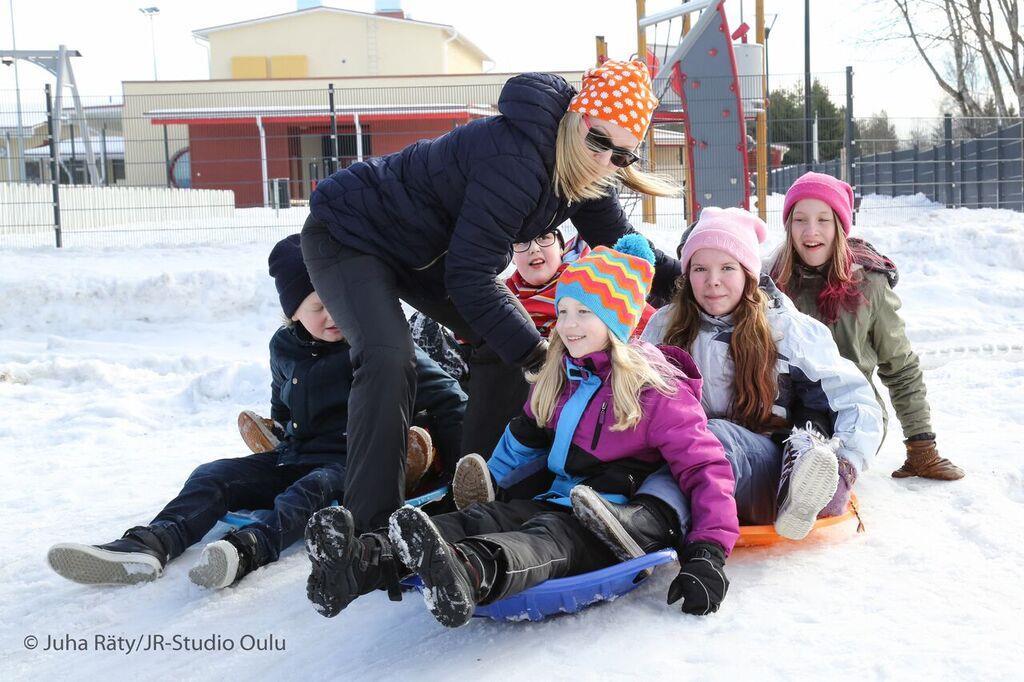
pixel 874 337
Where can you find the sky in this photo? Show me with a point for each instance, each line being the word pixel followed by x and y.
pixel 526 35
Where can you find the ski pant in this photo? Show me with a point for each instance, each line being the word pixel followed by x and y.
pixel 363 294
pixel 756 464
pixel 537 541
pixel 282 499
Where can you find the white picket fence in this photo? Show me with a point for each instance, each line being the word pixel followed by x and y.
pixel 26 210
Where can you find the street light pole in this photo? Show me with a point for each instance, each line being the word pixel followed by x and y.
pixel 152 12
pixel 17 97
pixel 808 132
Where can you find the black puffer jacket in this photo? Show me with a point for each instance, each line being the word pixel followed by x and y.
pixel 309 397
pixel 445 212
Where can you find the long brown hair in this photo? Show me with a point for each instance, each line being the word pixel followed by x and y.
pixel 752 348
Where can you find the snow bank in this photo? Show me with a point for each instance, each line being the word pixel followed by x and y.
pixel 121 370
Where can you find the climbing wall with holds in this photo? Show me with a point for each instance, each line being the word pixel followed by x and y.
pixel 701 89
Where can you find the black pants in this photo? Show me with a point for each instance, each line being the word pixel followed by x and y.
pixel 282 498
pixel 538 541
pixel 363 295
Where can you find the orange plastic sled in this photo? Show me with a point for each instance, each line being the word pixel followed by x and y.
pixel 761 536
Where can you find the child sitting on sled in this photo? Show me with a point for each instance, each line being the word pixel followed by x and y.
pixel 602 411
pixel 284 485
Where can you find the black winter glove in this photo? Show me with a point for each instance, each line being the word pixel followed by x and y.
pixel 701 581
pixel 534 360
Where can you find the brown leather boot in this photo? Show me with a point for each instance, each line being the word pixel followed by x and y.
pixel 257 432
pixel 419 457
pixel 923 460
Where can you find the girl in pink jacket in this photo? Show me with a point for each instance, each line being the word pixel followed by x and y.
pixel 602 412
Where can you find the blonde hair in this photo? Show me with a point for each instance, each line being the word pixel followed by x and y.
pixel 578 177
pixel 635 367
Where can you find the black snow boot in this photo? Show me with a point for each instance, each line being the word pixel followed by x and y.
pixel 346 565
pixel 456 577
pixel 230 559
pixel 138 557
pixel 630 530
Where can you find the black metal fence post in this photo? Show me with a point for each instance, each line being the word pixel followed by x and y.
pixel 960 172
pixel 999 167
pixel 848 140
pixel 334 128
pixel 167 159
pixel 917 160
pixel 947 176
pixel 54 174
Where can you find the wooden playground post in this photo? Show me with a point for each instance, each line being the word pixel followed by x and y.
pixel 602 50
pixel 687 196
pixel 762 120
pixel 649 208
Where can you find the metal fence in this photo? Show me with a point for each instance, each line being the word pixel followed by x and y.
pixel 984 172
pixel 236 165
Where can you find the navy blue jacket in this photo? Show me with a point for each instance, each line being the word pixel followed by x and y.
pixel 309 397
pixel 444 213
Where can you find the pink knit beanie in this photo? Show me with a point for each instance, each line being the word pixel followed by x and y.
pixel 836 193
pixel 733 230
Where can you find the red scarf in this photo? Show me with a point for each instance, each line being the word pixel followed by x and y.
pixel 539 301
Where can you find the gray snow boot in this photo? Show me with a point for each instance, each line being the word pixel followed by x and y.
pixel 138 557
pixel 228 560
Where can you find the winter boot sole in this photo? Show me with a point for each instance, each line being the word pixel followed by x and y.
pixel 812 484
pixel 592 511
pixel 419 457
pixel 447 591
pixel 255 433
pixel 472 482
pixel 330 545
pixel 217 566
pixel 90 565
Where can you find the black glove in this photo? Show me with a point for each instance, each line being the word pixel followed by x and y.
pixel 701 581
pixel 534 360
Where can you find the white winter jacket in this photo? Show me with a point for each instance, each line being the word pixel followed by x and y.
pixel 810 371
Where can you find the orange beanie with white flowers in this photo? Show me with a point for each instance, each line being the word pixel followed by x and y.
pixel 618 92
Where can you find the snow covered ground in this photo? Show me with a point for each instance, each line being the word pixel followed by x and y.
pixel 123 369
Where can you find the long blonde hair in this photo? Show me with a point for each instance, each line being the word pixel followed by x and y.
pixel 752 347
pixel 635 367
pixel 578 177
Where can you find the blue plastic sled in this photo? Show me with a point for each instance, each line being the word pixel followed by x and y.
pixel 561 595
pixel 572 594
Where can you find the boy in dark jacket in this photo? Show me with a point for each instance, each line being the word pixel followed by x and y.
pixel 312 376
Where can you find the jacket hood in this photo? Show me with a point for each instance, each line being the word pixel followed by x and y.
pixel 681 359
pixel 871 259
pixel 534 103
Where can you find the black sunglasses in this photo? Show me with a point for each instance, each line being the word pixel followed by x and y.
pixel 599 141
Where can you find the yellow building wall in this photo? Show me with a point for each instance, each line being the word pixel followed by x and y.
pixel 289 66
pixel 462 60
pixel 338 45
pixel 248 67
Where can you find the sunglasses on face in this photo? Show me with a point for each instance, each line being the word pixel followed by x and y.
pixel 546 239
pixel 599 141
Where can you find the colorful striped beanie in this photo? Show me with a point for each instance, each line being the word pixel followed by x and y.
pixel 613 283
